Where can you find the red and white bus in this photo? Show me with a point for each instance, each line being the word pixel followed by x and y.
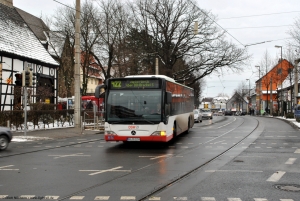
pixel 146 108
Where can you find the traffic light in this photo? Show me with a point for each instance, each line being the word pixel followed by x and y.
pixel 25 78
pixel 18 80
pixel 32 78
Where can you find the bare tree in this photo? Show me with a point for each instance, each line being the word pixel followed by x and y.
pixel 171 25
pixel 111 27
pixel 295 34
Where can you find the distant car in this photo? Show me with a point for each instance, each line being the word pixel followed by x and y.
pixel 228 113
pixel 206 114
pixel 197 116
pixel 5 137
pixel 220 113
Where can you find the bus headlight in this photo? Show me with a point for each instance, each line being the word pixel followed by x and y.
pixel 110 133
pixel 159 133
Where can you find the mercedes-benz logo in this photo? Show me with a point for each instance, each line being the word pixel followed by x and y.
pixel 133 132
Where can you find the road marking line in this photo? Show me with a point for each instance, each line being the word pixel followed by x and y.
pixel 102 171
pixel 2 168
pixel 218 142
pixel 234 199
pixel 26 196
pixel 76 197
pixel 63 156
pixel 276 176
pixel 232 171
pixel 290 161
pixel 286 200
pixel 154 198
pixel 297 151
pixel 260 199
pixel 180 198
pixel 208 199
pixel 127 198
pixel 156 157
pixel 101 198
pixel 51 197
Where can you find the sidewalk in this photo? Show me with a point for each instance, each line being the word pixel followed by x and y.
pixel 54 133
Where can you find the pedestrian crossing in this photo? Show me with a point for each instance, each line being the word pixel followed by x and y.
pixel 133 198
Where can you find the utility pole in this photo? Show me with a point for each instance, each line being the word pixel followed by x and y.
pixel 296 83
pixel 271 98
pixel 77 109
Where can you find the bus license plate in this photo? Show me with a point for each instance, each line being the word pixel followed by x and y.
pixel 133 139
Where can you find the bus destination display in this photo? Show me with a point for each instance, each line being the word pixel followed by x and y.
pixel 134 84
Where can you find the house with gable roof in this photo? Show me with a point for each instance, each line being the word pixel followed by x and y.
pixel 275 89
pixel 20 48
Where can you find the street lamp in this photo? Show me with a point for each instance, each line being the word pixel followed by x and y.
pixel 249 103
pixel 281 97
pixel 259 100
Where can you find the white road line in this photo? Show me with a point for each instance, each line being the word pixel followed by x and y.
pixel 208 199
pixel 180 198
pixel 290 161
pixel 286 200
pixel 102 171
pixel 51 197
pixel 101 198
pixel 234 199
pixel 218 142
pixel 154 198
pixel 26 196
pixel 76 198
pixel 63 156
pixel 3 167
pixel 127 198
pixel 260 199
pixel 276 176
pixel 233 171
pixel 297 151
pixel 156 157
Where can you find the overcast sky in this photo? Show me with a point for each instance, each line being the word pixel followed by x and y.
pixel 247 22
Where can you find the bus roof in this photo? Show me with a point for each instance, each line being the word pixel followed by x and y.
pixel 151 76
pixel 156 76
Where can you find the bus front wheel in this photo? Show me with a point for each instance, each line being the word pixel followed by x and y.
pixel 174 130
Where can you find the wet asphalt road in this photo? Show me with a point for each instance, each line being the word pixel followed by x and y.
pixel 227 158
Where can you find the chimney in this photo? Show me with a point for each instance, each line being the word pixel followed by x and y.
pixel 7 3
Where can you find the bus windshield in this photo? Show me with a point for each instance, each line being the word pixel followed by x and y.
pixel 134 106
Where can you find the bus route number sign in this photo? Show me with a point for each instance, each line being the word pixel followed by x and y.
pixel 134 84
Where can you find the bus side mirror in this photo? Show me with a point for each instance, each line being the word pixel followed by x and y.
pixel 100 91
pixel 168 97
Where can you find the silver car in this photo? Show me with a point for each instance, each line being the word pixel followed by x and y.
pixel 197 116
pixel 206 114
pixel 5 137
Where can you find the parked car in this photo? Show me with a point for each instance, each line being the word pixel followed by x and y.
pixel 220 113
pixel 228 113
pixel 5 137
pixel 206 114
pixel 197 116
pixel 297 113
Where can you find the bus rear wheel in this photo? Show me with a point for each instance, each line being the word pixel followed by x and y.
pixel 188 129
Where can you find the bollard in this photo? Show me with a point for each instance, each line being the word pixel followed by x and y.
pixel 8 124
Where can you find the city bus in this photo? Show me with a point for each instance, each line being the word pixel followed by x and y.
pixel 152 108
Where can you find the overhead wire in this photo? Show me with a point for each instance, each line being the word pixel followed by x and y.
pixel 259 15
pixel 217 23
